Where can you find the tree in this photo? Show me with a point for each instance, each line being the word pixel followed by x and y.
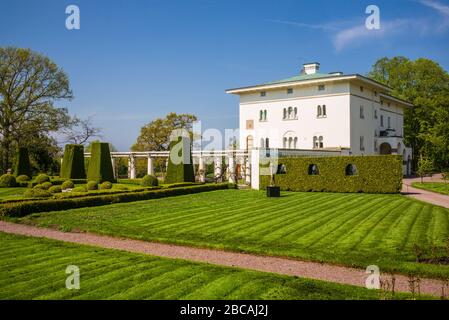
pixel 79 131
pixel 425 84
pixel 425 166
pixel 30 83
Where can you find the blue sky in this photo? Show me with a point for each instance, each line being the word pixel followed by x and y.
pixel 133 61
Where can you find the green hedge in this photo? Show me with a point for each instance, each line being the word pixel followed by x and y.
pixel 100 164
pixel 73 162
pixel 22 166
pixel 182 172
pixel 375 174
pixel 21 209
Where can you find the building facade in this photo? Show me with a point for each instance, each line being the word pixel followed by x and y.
pixel 323 111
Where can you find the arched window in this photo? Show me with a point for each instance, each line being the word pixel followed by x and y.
pixel 262 142
pixel 290 140
pixel 315 142
pixel 267 143
pixel 261 115
pixel 295 143
pixel 313 170
pixel 319 112
pixel 285 114
pixel 351 170
pixel 265 115
pixel 290 112
pixel 296 112
pixel 321 142
pixel 285 143
pixel 324 110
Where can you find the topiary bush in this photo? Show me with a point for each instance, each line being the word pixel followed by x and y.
pixel 79 189
pixel 375 174
pixel 120 187
pixel 55 189
pixel 106 185
pixel 37 193
pixel 67 185
pixel 72 166
pixel 22 165
pixel 38 186
pixel 42 178
pixel 8 181
pixel 22 178
pixel 92 185
pixel 180 172
pixel 46 185
pixel 149 181
pixel 100 164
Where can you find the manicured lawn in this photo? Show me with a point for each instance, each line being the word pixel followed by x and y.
pixel 350 229
pixel 439 187
pixel 33 268
pixel 11 193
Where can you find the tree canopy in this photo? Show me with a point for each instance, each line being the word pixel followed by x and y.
pixel 424 83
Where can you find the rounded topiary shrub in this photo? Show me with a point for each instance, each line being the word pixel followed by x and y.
pixel 46 185
pixel 37 193
pixel 92 185
pixel 67 185
pixel 22 178
pixel 55 189
pixel 149 181
pixel 38 186
pixel 8 180
pixel 42 178
pixel 106 185
pixel 79 189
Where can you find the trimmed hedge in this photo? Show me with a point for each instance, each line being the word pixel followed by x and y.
pixel 100 164
pixel 374 174
pixel 180 172
pixel 21 209
pixel 73 162
pixel 149 181
pixel 8 180
pixel 23 166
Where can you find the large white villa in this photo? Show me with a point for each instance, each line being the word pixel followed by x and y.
pixel 323 111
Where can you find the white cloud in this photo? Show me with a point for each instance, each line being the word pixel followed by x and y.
pixel 441 8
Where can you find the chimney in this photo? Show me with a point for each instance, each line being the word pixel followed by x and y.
pixel 311 68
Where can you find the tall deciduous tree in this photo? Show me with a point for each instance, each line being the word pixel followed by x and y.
pixel 424 83
pixel 30 84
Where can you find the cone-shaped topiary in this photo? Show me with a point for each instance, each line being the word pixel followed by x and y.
pixel 73 162
pixel 100 164
pixel 180 165
pixel 22 166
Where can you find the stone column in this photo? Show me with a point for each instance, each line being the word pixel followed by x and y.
pixel 150 166
pixel 217 167
pixel 202 169
pixel 231 166
pixel 131 167
pixel 113 167
pixel 248 172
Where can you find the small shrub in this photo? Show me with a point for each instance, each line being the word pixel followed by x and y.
pixel 149 181
pixel 37 193
pixel 67 185
pixel 55 189
pixel 46 185
pixel 106 185
pixel 38 186
pixel 120 187
pixel 92 185
pixel 42 178
pixel 8 180
pixel 22 178
pixel 79 189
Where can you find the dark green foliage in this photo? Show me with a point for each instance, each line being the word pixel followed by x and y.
pixel 8 180
pixel 37 193
pixel 42 178
pixel 106 185
pixel 23 166
pixel 73 162
pixel 55 189
pixel 120 187
pixel 46 185
pixel 375 174
pixel 181 172
pixel 68 185
pixel 20 209
pixel 79 189
pixel 149 181
pixel 22 178
pixel 92 185
pixel 38 186
pixel 100 164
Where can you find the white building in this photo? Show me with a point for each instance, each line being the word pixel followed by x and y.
pixel 323 111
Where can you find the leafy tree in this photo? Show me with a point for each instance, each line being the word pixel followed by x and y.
pixel 425 166
pixel 424 83
pixel 30 83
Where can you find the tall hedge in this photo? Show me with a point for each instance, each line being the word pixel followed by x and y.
pixel 100 164
pixel 22 166
pixel 373 174
pixel 182 172
pixel 73 162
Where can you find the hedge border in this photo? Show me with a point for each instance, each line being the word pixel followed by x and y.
pixel 29 207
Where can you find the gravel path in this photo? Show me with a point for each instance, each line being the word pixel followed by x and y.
pixel 304 269
pixel 424 195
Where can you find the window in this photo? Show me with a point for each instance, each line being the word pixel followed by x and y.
pixel 324 110
pixel 362 112
pixel 319 112
pixel 321 142
pixel 375 114
pixel 265 115
pixel 313 170
pixel 267 143
pixel 389 122
pixel 290 140
pixel 295 143
pixel 375 93
pixel 351 170
pixel 262 143
pixel 381 120
pixel 261 115
pixel 318 142
pixel 362 143
pixel 290 112
pixel 295 111
pixel 285 114
pixel 321 87
pixel 289 91
pixel 285 143
pixel 375 145
pixel 361 88
pixel 263 93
